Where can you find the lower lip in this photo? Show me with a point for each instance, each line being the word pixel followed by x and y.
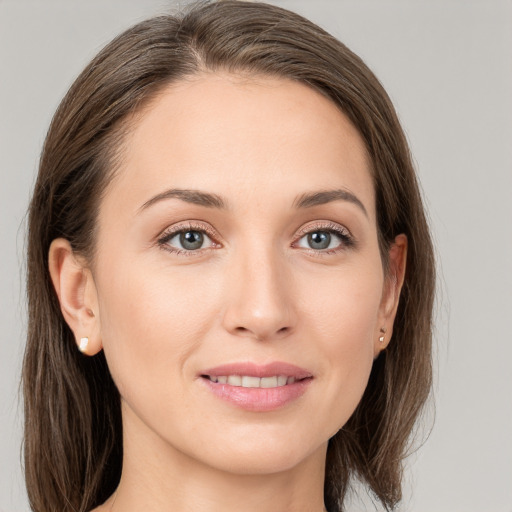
pixel 259 399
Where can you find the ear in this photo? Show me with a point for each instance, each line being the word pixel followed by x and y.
pixel 393 282
pixel 74 284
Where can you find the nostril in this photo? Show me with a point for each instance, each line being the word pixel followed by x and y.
pixel 260 334
pixel 284 332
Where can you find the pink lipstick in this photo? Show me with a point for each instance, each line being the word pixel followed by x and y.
pixel 257 388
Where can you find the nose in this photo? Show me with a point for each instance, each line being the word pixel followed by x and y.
pixel 260 303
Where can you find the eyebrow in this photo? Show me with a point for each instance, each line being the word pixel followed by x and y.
pixel 306 200
pixel 311 199
pixel 189 196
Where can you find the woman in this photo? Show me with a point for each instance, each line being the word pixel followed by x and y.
pixel 230 275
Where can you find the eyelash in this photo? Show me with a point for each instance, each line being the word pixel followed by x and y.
pixel 170 233
pixel 347 240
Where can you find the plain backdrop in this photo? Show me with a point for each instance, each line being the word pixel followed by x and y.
pixel 447 65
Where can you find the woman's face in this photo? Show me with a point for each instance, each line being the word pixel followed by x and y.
pixel 237 246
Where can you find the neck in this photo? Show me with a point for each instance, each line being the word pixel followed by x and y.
pixel 160 478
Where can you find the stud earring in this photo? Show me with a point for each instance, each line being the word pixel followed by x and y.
pixel 383 331
pixel 83 344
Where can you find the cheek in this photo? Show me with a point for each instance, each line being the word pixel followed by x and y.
pixel 343 319
pixel 151 321
pixel 344 305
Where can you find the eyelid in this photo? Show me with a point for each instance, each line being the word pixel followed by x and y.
pixel 189 225
pixel 326 225
pixel 347 240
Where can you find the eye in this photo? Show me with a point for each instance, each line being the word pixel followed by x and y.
pixel 186 240
pixel 189 240
pixel 326 239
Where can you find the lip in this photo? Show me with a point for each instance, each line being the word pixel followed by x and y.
pixel 258 399
pixel 259 370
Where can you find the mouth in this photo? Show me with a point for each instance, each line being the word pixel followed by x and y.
pixel 250 381
pixel 255 387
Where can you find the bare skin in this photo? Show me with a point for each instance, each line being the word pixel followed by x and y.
pixel 267 277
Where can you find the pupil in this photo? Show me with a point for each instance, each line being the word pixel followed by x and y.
pixel 319 239
pixel 191 240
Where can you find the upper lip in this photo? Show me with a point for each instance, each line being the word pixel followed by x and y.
pixel 258 370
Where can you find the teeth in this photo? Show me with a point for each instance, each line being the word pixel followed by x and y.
pixel 268 382
pixel 235 380
pixel 248 381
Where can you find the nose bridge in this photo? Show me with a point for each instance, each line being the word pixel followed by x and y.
pixel 260 303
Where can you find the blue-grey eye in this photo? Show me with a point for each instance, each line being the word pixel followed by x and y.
pixel 189 240
pixel 320 240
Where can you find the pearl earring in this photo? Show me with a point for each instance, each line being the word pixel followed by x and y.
pixel 383 331
pixel 83 344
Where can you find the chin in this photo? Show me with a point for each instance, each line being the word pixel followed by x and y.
pixel 262 454
pixel 262 463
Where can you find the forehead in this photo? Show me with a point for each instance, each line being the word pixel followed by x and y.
pixel 251 137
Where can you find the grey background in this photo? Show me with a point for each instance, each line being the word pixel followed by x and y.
pixel 447 65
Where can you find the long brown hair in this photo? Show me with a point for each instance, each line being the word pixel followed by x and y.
pixel 73 428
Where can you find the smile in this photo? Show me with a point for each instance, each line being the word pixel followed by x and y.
pixel 257 388
pixel 248 381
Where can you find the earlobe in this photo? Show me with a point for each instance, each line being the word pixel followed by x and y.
pixel 76 291
pixel 393 283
